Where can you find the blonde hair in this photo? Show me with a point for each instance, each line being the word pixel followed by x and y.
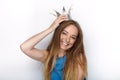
pixel 75 55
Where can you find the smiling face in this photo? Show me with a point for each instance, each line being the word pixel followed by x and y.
pixel 68 37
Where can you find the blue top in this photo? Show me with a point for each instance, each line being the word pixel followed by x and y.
pixel 57 72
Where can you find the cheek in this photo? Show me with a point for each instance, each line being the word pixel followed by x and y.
pixel 72 42
pixel 61 35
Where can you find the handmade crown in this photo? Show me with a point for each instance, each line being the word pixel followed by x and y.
pixel 64 12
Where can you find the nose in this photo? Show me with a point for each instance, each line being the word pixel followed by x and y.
pixel 67 38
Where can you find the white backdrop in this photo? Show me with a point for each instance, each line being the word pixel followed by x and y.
pixel 20 19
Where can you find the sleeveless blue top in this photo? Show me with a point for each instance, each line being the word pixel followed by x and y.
pixel 57 72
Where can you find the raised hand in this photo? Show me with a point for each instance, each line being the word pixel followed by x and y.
pixel 58 20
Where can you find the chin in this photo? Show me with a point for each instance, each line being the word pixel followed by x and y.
pixel 64 48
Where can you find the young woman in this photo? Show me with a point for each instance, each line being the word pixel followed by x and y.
pixel 64 58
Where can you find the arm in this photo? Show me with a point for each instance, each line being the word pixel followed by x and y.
pixel 28 47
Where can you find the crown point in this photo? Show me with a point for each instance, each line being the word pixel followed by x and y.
pixel 64 12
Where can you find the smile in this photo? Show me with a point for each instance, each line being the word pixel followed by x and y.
pixel 64 43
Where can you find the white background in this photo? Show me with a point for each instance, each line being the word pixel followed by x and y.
pixel 20 19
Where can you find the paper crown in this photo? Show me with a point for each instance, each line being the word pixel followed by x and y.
pixel 64 12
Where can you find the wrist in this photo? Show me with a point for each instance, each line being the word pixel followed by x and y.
pixel 50 29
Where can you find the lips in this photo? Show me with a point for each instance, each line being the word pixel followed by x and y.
pixel 65 43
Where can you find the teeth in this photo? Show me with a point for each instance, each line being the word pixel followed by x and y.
pixel 65 43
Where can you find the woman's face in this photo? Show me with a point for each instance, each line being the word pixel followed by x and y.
pixel 68 37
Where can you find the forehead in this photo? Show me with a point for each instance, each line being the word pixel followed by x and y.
pixel 71 29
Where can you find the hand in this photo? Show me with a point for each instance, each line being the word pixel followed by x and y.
pixel 58 20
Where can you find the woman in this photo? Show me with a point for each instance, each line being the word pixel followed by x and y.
pixel 64 57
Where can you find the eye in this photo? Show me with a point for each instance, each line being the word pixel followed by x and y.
pixel 64 33
pixel 73 38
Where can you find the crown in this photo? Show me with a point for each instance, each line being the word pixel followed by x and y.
pixel 64 12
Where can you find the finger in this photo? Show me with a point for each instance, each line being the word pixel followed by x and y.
pixel 62 17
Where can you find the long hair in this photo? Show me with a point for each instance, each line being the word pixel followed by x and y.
pixel 75 55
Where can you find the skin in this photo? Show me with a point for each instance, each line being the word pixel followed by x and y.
pixel 67 39
pixel 28 47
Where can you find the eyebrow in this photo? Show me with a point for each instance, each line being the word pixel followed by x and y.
pixel 68 32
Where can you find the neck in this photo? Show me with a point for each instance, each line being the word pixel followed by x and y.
pixel 61 53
